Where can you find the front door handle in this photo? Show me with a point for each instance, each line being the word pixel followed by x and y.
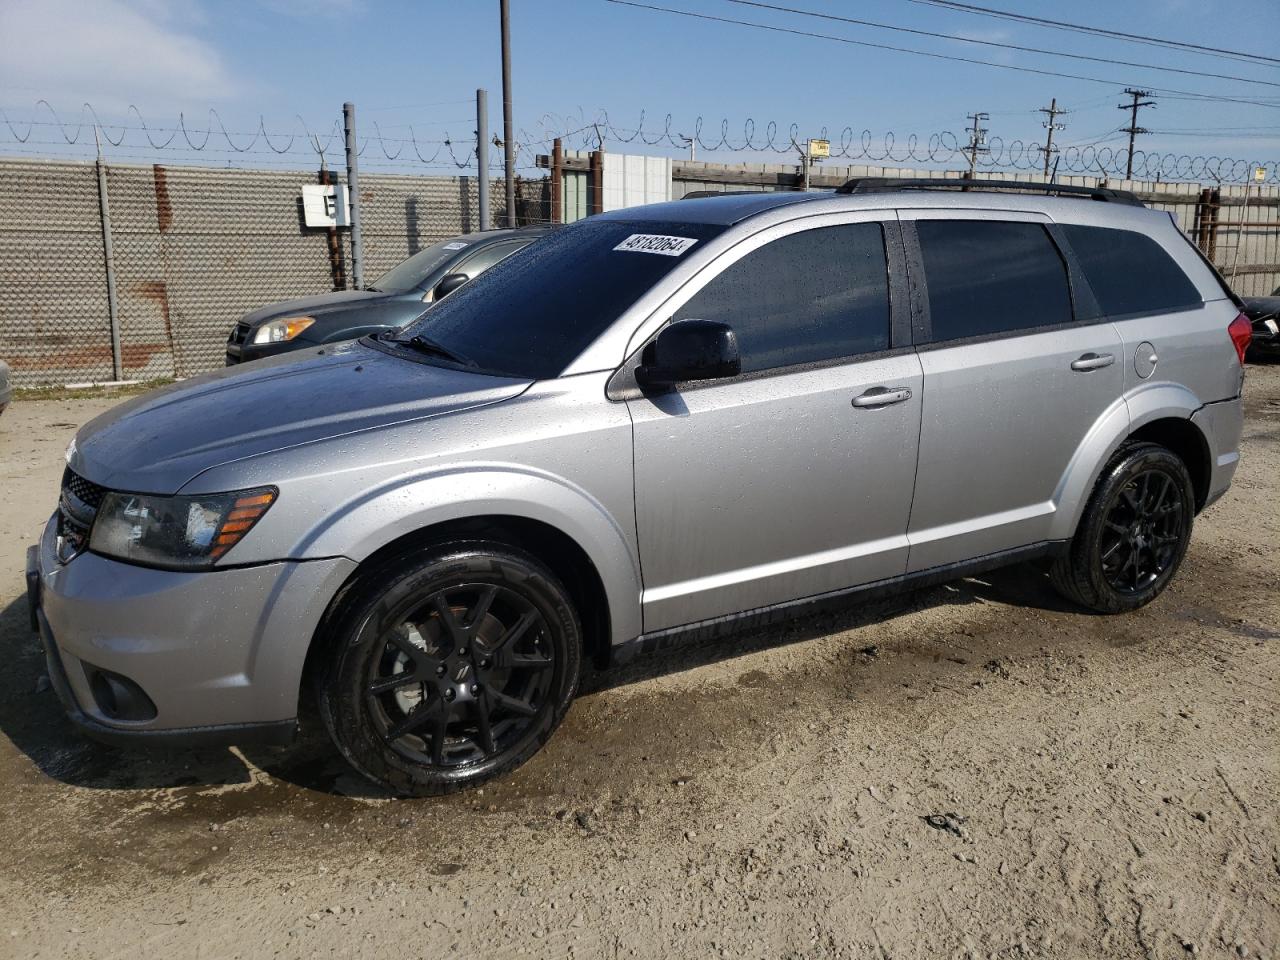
pixel 882 396
pixel 1093 361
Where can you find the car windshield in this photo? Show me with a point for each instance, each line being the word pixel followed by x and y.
pixel 409 274
pixel 532 314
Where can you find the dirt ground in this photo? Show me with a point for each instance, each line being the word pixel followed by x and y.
pixel 974 770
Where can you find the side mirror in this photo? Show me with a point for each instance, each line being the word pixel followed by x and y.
pixel 448 283
pixel 690 350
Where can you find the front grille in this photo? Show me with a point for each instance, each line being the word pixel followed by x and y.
pixel 87 492
pixel 77 508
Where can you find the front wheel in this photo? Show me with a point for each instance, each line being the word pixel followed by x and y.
pixel 1134 532
pixel 452 669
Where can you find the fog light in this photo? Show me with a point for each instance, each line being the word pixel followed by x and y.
pixel 119 698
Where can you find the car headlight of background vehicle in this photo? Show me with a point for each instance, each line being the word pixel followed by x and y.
pixel 181 532
pixel 278 331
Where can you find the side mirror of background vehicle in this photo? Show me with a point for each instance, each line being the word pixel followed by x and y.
pixel 690 350
pixel 448 283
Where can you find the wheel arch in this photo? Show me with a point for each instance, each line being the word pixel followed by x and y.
pixel 1160 414
pixel 1184 438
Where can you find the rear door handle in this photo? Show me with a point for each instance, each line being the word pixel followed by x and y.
pixel 1093 361
pixel 882 396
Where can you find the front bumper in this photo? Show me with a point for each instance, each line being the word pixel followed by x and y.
pixel 219 653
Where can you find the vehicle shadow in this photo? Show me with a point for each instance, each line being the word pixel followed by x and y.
pixel 1022 585
pixel 32 718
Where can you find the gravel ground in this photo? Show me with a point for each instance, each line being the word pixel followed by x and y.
pixel 971 770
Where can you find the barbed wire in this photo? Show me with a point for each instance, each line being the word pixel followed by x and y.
pixel 135 134
pixel 888 149
pixel 215 137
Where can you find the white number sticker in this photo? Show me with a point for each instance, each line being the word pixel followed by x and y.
pixel 456 245
pixel 653 243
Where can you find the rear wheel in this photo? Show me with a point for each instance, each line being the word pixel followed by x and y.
pixel 451 670
pixel 1134 532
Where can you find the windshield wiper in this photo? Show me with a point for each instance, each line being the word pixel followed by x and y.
pixel 424 344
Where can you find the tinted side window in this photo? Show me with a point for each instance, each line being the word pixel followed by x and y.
pixel 1128 271
pixel 985 276
pixel 817 295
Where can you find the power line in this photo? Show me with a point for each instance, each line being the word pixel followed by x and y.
pixel 1100 31
pixel 924 53
pixel 995 43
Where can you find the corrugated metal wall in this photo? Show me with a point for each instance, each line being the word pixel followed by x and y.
pixel 195 248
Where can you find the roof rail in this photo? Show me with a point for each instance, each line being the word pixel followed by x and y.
pixel 892 184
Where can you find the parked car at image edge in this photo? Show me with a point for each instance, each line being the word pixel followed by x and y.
pixel 664 422
pixel 395 299
pixel 1264 313
pixel 6 388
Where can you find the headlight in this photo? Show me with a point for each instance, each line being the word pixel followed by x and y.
pixel 278 331
pixel 183 532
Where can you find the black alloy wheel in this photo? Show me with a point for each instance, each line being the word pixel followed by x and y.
pixel 1143 530
pixel 453 672
pixel 1134 532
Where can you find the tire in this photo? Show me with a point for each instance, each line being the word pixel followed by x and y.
pixel 450 668
pixel 1134 532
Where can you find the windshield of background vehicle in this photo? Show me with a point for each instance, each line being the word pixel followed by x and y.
pixel 408 274
pixel 534 312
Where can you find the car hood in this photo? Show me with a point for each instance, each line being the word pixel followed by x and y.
pixel 160 441
pixel 1257 307
pixel 319 304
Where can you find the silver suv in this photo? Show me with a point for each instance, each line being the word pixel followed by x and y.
pixel 653 424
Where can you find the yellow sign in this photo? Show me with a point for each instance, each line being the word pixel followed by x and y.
pixel 819 148
pixel 1259 173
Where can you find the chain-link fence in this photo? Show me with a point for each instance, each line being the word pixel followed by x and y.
pixel 193 249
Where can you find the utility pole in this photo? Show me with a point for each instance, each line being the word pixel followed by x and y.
pixel 508 135
pixel 1053 112
pixel 113 307
pixel 1133 129
pixel 353 191
pixel 482 156
pixel 977 139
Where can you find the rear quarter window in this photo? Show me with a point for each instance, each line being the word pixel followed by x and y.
pixel 1129 272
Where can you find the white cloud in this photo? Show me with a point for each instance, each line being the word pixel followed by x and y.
pixel 109 52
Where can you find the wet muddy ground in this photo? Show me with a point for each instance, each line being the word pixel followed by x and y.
pixel 971 770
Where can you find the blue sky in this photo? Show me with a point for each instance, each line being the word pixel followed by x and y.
pixel 419 63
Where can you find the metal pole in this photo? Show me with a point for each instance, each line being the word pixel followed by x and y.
pixel 482 156
pixel 976 138
pixel 1133 129
pixel 353 188
pixel 113 308
pixel 804 155
pixel 508 134
pixel 1050 124
pixel 557 181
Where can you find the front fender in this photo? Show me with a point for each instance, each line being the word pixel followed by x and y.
pixel 1146 404
pixel 380 515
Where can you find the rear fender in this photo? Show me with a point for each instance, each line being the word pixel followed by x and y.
pixel 1144 405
